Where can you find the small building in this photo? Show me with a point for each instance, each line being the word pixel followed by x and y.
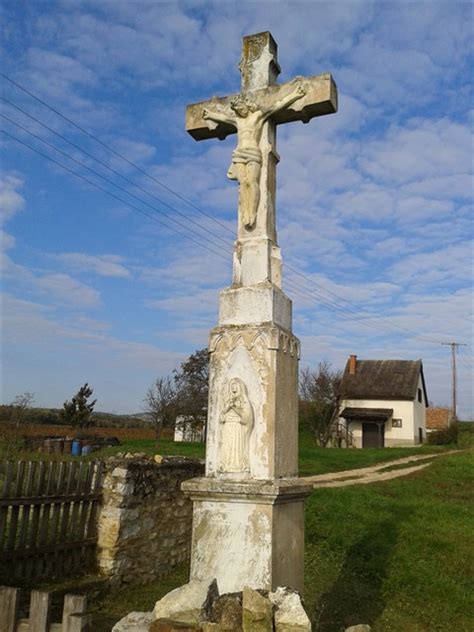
pixel 438 419
pixel 383 402
pixel 186 430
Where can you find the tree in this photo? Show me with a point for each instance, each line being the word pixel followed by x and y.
pixel 192 386
pixel 319 399
pixel 20 405
pixel 78 411
pixel 160 404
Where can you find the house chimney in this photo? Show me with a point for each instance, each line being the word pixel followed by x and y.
pixel 352 364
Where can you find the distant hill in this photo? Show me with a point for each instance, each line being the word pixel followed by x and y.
pixel 51 416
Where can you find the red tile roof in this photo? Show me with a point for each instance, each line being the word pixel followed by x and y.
pixel 438 418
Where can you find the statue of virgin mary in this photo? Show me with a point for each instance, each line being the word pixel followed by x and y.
pixel 236 422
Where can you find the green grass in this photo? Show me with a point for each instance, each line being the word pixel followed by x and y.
pixel 396 555
pixel 163 446
pixel 316 460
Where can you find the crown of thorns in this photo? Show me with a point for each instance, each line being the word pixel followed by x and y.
pixel 241 100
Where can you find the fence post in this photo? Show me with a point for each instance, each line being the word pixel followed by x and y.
pixel 73 605
pixel 79 622
pixel 39 611
pixel 8 608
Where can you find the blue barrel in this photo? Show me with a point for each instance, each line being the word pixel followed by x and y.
pixel 76 448
pixel 87 449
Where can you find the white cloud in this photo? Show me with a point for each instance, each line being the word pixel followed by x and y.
pixel 420 149
pixel 441 266
pixel 134 151
pixel 7 241
pixel 66 290
pixel 103 265
pixel 11 200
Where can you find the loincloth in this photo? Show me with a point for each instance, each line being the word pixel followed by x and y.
pixel 247 155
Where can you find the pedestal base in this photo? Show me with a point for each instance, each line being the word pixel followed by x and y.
pixel 248 533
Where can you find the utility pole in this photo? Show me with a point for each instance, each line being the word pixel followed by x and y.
pixel 454 347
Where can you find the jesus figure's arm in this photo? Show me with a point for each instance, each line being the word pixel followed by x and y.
pixel 217 117
pixel 285 102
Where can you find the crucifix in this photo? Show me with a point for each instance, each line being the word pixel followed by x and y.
pixel 254 115
pixel 248 509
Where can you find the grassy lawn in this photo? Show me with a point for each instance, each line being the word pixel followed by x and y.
pixel 397 554
pixel 315 460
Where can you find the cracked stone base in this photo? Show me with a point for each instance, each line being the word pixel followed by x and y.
pixel 248 533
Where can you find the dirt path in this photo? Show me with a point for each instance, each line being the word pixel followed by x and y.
pixel 374 473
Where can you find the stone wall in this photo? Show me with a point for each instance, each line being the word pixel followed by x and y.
pixel 144 524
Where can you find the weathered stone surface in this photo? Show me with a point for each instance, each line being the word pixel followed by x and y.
pixel 257 614
pixel 256 513
pixel 363 627
pixel 186 604
pixel 168 625
pixel 134 622
pixel 133 545
pixel 227 612
pixel 290 615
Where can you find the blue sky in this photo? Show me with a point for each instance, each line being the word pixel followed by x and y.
pixel 373 203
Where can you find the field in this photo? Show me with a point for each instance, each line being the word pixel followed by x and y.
pixel 397 555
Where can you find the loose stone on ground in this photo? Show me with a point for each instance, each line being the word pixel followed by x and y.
pixel 187 604
pixel 135 622
pixel 290 615
pixel 257 612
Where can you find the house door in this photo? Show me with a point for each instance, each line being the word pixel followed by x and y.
pixel 373 435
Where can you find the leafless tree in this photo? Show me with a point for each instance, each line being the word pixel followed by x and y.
pixel 20 405
pixel 319 399
pixel 160 404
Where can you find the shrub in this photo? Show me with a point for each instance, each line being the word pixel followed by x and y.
pixel 445 436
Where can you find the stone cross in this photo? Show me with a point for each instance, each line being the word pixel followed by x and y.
pixel 254 114
pixel 248 509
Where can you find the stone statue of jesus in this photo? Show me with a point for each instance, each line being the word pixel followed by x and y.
pixel 246 163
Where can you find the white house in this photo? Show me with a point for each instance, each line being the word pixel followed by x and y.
pixel 383 402
pixel 186 430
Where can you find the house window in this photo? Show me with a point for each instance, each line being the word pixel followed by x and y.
pixel 396 423
pixel 420 397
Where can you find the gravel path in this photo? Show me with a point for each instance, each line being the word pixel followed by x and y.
pixel 372 474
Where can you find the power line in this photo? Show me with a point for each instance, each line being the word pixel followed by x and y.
pixel 116 153
pixel 332 306
pixel 111 169
pixel 66 155
pixel 362 315
pixel 352 307
pixel 380 322
pixel 303 291
pixel 116 197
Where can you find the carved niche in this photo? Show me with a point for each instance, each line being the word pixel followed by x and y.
pixel 236 423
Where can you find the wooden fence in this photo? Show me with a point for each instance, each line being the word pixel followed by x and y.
pixel 48 517
pixel 74 617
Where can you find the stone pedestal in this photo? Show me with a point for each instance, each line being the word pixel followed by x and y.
pixel 248 519
pixel 248 533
